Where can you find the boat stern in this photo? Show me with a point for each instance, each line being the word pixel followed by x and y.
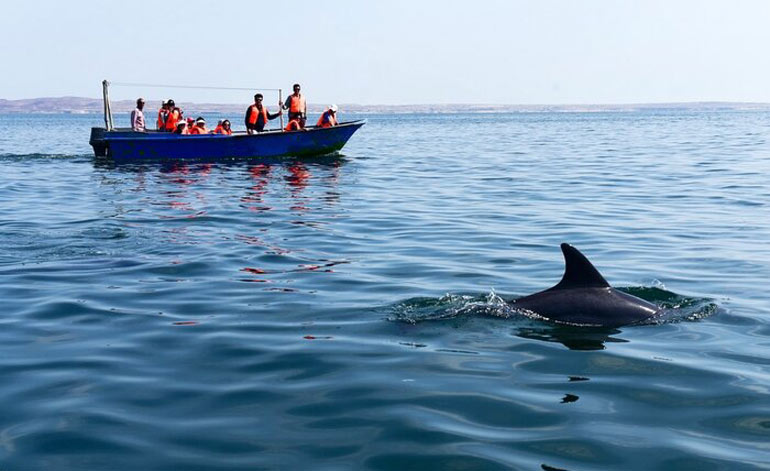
pixel 98 142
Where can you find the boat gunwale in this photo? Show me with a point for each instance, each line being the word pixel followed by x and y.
pixel 129 134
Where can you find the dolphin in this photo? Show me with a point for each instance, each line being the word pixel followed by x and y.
pixel 583 297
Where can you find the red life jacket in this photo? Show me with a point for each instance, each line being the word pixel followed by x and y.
pixel 221 130
pixel 296 104
pixel 199 130
pixel 162 116
pixel 326 120
pixel 172 119
pixel 293 125
pixel 254 113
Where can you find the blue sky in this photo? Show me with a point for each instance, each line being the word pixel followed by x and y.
pixel 394 52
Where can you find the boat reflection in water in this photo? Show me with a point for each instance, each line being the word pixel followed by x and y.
pixel 260 214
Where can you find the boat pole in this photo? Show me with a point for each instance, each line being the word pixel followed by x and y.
pixel 107 110
pixel 280 106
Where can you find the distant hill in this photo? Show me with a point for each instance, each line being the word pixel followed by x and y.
pixel 78 105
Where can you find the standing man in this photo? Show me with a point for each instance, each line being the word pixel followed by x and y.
pixel 137 116
pixel 162 116
pixel 257 115
pixel 296 106
pixel 174 115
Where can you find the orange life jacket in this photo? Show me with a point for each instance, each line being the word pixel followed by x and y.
pixel 326 120
pixel 293 125
pixel 162 116
pixel 221 130
pixel 218 129
pixel 296 104
pixel 254 113
pixel 199 130
pixel 172 119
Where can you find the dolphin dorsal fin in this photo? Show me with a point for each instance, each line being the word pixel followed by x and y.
pixel 578 271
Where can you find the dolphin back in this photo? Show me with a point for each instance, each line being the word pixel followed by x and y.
pixel 583 297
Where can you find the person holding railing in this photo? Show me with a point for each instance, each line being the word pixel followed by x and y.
pixel 297 106
pixel 257 115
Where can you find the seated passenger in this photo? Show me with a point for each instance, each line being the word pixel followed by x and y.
pixel 218 128
pixel 225 128
pixel 328 118
pixel 200 126
pixel 181 128
pixel 257 115
pixel 294 125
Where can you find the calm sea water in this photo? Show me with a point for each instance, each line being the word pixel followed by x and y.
pixel 347 312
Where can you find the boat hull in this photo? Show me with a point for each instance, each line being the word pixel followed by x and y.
pixel 130 145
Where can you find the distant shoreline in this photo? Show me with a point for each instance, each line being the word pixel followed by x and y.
pixel 80 105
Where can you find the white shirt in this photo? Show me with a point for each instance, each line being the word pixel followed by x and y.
pixel 137 120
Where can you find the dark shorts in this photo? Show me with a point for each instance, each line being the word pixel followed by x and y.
pixel 259 127
pixel 300 116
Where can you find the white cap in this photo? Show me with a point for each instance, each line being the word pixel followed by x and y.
pixel 333 108
pixel 200 120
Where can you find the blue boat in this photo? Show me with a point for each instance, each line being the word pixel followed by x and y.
pixel 129 145
pixel 126 144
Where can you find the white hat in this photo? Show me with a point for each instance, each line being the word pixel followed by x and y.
pixel 333 108
pixel 200 120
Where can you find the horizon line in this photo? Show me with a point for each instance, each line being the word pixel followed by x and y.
pixel 630 103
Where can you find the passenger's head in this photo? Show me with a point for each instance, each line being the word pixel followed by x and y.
pixel 180 126
pixel 140 103
pixel 258 97
pixel 296 88
pixel 226 124
pixel 200 122
pixel 171 103
pixel 333 108
pixel 164 104
pixel 190 121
